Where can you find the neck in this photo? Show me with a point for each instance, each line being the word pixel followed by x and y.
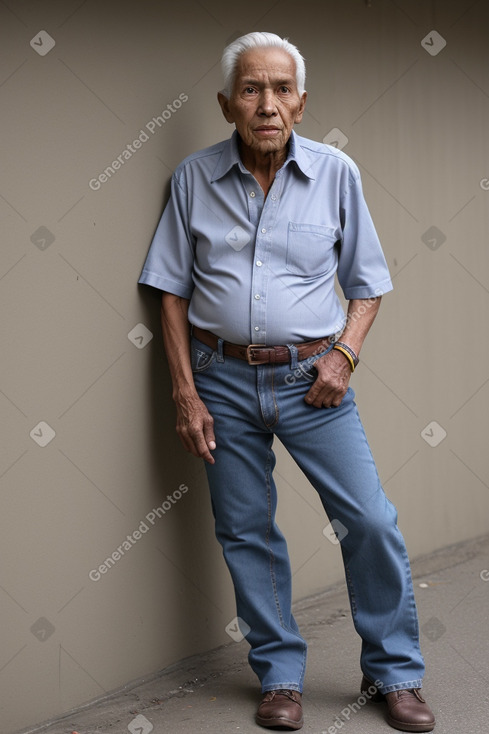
pixel 263 166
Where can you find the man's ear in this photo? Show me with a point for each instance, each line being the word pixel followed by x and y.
pixel 300 111
pixel 224 102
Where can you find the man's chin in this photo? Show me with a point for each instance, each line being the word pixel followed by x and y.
pixel 269 145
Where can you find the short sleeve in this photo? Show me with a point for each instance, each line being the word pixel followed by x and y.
pixel 169 263
pixel 362 269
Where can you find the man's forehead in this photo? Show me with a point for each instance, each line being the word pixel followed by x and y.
pixel 266 62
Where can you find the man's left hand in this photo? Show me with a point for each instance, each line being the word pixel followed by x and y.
pixel 332 382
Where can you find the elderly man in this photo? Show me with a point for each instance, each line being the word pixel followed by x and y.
pixel 246 254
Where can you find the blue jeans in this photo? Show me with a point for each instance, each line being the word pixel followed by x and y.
pixel 250 404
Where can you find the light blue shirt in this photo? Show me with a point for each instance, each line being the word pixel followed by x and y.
pixel 262 270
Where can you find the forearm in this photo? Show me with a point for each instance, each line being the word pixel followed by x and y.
pixel 176 337
pixel 360 317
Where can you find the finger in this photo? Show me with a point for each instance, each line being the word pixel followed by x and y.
pixel 313 394
pixel 320 401
pixel 203 449
pixel 197 446
pixel 336 400
pixel 192 438
pixel 210 439
pixel 204 438
pixel 209 436
pixel 325 397
pixel 187 441
pixel 320 395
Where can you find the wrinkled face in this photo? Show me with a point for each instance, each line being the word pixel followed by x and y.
pixel 264 103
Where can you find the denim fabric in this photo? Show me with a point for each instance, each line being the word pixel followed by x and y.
pixel 251 404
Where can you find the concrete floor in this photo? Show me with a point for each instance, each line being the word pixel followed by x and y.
pixel 217 692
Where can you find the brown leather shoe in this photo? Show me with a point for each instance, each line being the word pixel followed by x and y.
pixel 406 709
pixel 282 709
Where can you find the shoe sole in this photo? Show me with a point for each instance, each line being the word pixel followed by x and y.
pixel 283 723
pixel 409 727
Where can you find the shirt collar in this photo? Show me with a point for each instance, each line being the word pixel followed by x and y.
pixel 230 157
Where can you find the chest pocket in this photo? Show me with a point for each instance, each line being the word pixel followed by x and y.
pixel 310 249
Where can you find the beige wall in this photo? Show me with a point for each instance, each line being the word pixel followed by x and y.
pixel 417 126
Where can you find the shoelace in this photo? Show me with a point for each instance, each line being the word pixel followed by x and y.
pixel 410 692
pixel 284 692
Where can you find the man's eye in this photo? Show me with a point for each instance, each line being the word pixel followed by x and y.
pixel 284 90
pixel 249 90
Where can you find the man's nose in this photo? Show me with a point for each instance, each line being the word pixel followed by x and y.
pixel 267 104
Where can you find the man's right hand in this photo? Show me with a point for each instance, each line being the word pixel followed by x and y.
pixel 195 426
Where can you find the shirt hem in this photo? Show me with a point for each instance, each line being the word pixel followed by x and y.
pixel 165 284
pixel 369 291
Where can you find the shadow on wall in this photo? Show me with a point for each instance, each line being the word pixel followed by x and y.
pixel 195 600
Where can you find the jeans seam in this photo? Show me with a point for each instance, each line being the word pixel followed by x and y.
pixel 270 552
pixel 274 580
pixel 412 598
pixel 351 591
pixel 274 400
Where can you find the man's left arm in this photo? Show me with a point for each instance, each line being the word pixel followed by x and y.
pixel 334 369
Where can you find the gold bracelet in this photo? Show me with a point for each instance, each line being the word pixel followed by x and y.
pixel 350 352
pixel 347 355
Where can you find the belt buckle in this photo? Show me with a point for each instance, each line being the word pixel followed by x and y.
pixel 250 357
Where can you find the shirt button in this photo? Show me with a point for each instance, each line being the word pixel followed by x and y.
pixel 274 198
pixel 257 328
pixel 252 194
pixel 257 296
pixel 259 263
pixel 263 230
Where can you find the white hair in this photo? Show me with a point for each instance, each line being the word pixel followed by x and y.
pixel 257 39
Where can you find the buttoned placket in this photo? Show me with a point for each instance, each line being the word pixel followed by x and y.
pixel 262 214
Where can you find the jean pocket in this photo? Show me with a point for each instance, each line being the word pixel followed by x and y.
pixel 306 367
pixel 201 356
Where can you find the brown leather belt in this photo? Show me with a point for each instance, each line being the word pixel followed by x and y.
pixel 260 353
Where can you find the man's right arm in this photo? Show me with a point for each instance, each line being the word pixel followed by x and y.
pixel 194 422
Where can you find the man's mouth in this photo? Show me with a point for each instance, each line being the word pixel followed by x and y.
pixel 266 130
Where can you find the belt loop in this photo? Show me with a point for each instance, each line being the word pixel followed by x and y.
pixel 293 356
pixel 220 350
